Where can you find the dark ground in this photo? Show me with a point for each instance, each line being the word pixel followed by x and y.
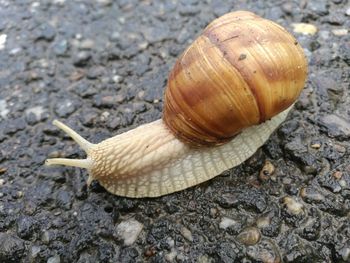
pixel 101 67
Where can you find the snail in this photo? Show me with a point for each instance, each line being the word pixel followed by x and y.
pixel 226 94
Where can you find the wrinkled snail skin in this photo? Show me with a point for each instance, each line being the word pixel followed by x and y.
pixel 225 96
pixel 150 161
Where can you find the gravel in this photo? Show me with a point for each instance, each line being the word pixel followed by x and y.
pixel 129 231
pixel 3 38
pixel 101 67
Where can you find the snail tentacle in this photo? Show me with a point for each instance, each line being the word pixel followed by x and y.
pixel 82 163
pixel 83 143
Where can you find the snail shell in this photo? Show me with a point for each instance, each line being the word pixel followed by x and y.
pixel 229 90
pixel 241 71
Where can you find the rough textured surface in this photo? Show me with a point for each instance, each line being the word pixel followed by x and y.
pixel 101 67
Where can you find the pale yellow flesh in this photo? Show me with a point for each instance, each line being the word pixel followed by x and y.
pixel 149 161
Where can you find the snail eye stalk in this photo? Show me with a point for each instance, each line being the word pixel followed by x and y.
pixel 83 143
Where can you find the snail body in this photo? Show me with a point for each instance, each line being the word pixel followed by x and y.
pixel 225 96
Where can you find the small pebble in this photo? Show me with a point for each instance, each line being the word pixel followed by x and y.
pixel 265 251
pixel 343 183
pixel 180 257
pixel 340 32
pixel 77 75
pixel 2 182
pixel 34 251
pixel 95 72
pixel 249 236
pixel 226 223
pixel 104 116
pixel 150 252
pixel 65 108
pixel 105 2
pixel 204 259
pixel 170 257
pixel 263 222
pixel 79 36
pixel 108 101
pixel 267 171
pixel 60 47
pixel 316 146
pixel 54 259
pixel 214 212
pixel 288 8
pixel 88 117
pixel 117 78
pixel 345 253
pixel 156 34
pixel 37 111
pixel 292 205
pixel 304 28
pixel 319 7
pixel 46 237
pixel 59 2
pixel 144 45
pixel 310 195
pixel 34 6
pixel 337 175
pixel 3 38
pixel 81 58
pixel 129 231
pixel 340 148
pixel 335 126
pixel 87 44
pixel 347 12
pixel 3 109
pixel 45 32
pixel 186 233
pixel 170 242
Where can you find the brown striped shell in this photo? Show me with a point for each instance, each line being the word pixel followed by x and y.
pixel 241 71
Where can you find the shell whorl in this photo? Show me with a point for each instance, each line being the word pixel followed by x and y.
pixel 241 71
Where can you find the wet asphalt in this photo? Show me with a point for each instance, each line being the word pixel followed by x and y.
pixel 101 67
